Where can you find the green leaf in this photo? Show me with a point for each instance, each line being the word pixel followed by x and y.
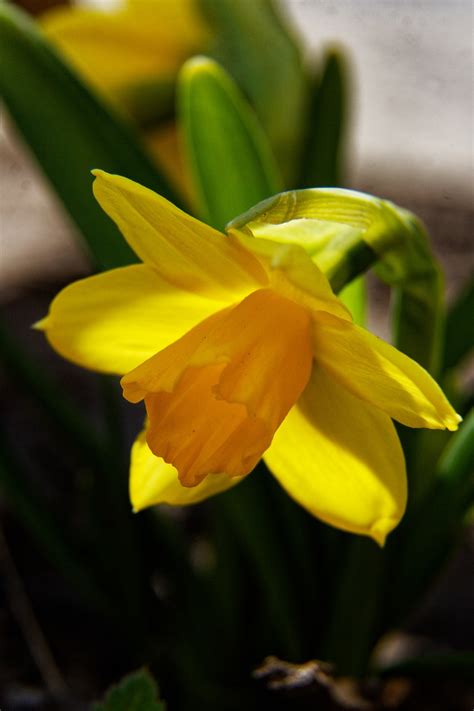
pixel 256 48
pixel 322 160
pixel 434 526
pixel 227 151
pixel 459 333
pixel 354 296
pixel 355 608
pixel 248 509
pixel 70 132
pixel 322 157
pixel 418 303
pixel 136 692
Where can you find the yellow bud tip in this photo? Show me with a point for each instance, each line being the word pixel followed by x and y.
pixel 452 422
pixel 138 501
pixel 381 528
pixel 40 325
pixel 198 64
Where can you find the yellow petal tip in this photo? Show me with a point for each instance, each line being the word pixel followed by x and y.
pixel 381 528
pixel 452 422
pixel 41 324
pixel 139 502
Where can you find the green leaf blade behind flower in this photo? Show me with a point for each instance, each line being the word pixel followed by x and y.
pixel 254 44
pixel 70 132
pixel 322 155
pixel 227 151
pixel 435 525
pixel 459 333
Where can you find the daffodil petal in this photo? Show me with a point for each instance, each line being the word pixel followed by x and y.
pixel 153 481
pixel 292 272
pixel 119 47
pixel 341 460
pixel 185 251
pixel 216 396
pixel 380 374
pixel 111 322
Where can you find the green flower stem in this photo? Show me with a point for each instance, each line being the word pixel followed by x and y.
pixel 355 613
pixel 247 509
pixel 119 552
pixel 459 340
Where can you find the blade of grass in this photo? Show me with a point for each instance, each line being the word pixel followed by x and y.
pixel 322 163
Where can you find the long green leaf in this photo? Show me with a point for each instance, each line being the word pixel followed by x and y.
pixel 434 526
pixel 459 332
pixel 254 45
pixel 322 157
pixel 248 509
pixel 228 153
pixel 418 312
pixel 352 630
pixel 70 132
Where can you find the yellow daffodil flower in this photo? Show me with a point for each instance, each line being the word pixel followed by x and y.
pixel 129 50
pixel 240 349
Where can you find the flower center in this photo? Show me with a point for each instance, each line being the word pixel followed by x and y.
pixel 215 397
